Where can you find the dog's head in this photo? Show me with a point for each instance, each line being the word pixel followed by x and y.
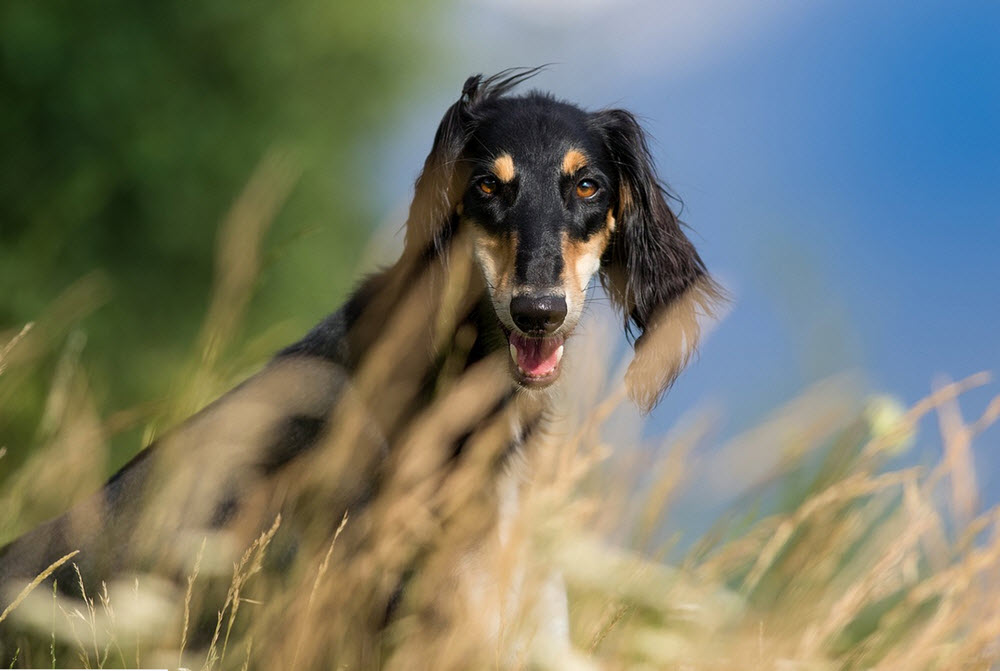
pixel 551 195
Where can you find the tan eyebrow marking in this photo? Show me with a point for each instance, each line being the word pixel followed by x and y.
pixel 573 161
pixel 503 167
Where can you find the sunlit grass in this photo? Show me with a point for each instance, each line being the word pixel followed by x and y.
pixel 832 558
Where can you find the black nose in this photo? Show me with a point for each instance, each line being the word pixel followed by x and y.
pixel 538 315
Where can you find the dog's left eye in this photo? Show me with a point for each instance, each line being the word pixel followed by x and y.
pixel 586 188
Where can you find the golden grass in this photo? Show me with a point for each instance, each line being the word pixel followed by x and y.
pixel 831 558
pixel 38 580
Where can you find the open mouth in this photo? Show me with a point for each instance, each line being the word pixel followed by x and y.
pixel 537 359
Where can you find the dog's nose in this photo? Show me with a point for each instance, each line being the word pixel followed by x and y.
pixel 538 315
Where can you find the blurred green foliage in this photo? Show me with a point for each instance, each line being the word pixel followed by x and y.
pixel 126 132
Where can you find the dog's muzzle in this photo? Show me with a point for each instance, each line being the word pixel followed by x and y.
pixel 533 348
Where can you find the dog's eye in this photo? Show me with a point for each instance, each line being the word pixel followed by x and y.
pixel 586 188
pixel 488 185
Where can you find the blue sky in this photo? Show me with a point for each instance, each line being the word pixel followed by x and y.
pixel 839 164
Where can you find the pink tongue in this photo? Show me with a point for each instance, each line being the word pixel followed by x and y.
pixel 536 357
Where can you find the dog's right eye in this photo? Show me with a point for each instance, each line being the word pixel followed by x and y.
pixel 487 185
pixel 586 188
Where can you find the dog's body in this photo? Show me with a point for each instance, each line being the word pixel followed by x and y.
pixel 436 372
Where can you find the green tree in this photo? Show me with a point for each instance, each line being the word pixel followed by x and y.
pixel 128 129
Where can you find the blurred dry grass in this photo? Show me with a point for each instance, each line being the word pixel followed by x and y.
pixel 853 566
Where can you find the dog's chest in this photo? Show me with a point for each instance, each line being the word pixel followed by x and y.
pixel 507 589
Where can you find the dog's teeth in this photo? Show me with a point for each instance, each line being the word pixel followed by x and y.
pixel 559 353
pixel 513 352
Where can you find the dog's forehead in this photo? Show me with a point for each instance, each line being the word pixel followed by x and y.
pixel 535 131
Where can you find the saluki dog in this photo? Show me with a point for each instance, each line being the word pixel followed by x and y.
pixel 436 373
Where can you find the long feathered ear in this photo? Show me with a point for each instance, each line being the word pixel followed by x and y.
pixel 431 220
pixel 436 194
pixel 650 269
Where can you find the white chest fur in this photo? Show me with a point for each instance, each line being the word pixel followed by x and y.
pixel 520 603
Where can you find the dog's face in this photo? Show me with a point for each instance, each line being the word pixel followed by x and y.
pixel 551 195
pixel 538 203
